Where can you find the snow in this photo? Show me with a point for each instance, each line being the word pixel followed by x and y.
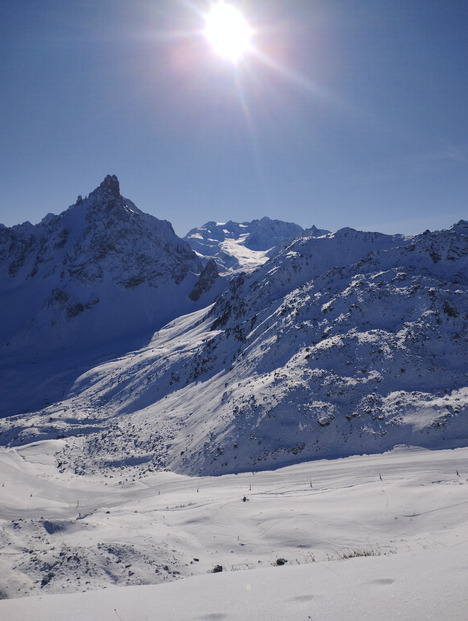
pixel 246 258
pixel 364 537
pixel 243 247
pixel 331 345
pixel 420 587
pixel 92 275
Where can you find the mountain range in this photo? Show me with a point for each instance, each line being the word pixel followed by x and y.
pixel 244 246
pixel 242 347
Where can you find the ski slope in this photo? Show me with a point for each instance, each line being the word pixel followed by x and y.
pixel 364 537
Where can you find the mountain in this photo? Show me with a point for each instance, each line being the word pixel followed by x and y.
pixel 99 272
pixel 345 343
pixel 244 246
pixel 338 344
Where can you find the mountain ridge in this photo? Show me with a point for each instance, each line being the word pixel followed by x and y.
pixel 244 246
pixel 345 343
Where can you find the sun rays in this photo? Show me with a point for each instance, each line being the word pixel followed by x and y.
pixel 228 32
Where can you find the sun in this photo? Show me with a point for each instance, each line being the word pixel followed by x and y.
pixel 228 31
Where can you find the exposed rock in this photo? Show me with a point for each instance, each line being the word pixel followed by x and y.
pixel 207 279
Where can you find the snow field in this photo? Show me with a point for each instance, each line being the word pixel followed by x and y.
pixel 366 535
pixel 426 586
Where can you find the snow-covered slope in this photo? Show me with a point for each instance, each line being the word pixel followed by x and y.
pixel 244 246
pixel 372 537
pixel 348 343
pixel 102 270
pixel 339 344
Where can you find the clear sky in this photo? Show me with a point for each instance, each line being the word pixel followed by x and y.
pixel 345 112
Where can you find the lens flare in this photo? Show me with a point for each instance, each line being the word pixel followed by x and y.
pixel 228 32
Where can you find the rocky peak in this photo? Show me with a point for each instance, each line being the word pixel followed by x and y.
pixel 111 185
pixel 106 197
pixel 265 234
pixel 461 227
pixel 73 274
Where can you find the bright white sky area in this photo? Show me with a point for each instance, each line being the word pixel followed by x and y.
pixel 371 537
pixel 337 113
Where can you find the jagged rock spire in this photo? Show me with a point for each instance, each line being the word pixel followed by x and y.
pixel 111 183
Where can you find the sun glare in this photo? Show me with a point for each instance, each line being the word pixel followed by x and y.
pixel 227 31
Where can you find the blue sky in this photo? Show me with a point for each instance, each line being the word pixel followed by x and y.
pixel 347 112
